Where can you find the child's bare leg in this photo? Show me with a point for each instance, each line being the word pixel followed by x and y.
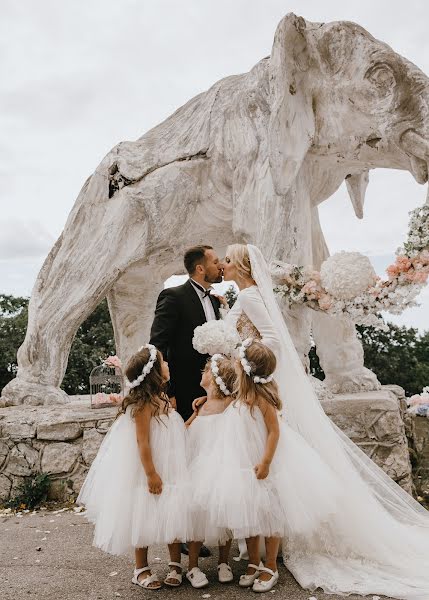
pixel 174 550
pixel 254 555
pixel 272 550
pixel 141 561
pixel 224 552
pixel 194 552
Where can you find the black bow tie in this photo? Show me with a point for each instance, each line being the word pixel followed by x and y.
pixel 201 289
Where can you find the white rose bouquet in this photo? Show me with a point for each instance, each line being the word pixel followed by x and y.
pixel 215 337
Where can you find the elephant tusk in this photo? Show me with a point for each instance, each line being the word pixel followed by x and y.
pixel 417 148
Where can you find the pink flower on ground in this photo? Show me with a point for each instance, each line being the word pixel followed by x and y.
pixel 113 361
pixel 325 302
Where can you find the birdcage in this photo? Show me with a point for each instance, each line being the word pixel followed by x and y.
pixel 106 386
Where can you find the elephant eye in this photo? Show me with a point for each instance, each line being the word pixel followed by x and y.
pixel 381 75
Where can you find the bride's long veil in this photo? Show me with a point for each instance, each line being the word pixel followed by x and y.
pixel 379 540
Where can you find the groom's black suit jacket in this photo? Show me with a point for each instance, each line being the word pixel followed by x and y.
pixel 178 311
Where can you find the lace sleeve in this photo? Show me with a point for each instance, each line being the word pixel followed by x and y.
pixel 254 307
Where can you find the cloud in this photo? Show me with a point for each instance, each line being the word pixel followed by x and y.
pixel 23 239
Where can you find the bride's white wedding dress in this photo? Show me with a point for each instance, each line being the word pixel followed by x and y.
pixel 378 542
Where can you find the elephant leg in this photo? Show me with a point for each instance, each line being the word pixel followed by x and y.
pixel 295 246
pixel 338 347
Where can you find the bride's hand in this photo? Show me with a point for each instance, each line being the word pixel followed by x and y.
pixel 262 470
pixel 198 402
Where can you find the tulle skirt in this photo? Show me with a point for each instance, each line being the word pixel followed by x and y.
pixel 290 501
pixel 116 495
pixel 204 437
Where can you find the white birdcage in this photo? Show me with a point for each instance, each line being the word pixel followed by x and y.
pixel 106 386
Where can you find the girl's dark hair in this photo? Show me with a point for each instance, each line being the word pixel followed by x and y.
pixel 263 362
pixel 151 390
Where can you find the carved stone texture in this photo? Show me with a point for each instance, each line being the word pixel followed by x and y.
pixel 248 160
pixel 59 457
pixel 5 487
pixel 60 431
pixel 91 443
pixel 373 421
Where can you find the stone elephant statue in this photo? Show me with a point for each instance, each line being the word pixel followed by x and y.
pixel 248 160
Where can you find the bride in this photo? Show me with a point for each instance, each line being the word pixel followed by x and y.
pixel 379 542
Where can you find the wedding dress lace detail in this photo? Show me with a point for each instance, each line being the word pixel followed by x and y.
pixel 246 328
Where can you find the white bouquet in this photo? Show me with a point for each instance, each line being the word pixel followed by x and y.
pixel 215 337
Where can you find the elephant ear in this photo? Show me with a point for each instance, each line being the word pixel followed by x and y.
pixel 356 187
pixel 291 126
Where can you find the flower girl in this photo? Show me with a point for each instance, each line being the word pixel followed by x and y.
pixel 136 489
pixel 204 432
pixel 263 472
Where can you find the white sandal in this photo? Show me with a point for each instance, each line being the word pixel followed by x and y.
pixel 224 573
pixel 174 574
pixel 247 580
pixel 197 578
pixel 266 586
pixel 153 578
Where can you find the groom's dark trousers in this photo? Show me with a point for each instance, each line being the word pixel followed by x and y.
pixel 178 311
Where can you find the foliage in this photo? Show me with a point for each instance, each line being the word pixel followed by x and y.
pixel 13 324
pixel 399 355
pixel 94 341
pixel 31 493
pixel 231 296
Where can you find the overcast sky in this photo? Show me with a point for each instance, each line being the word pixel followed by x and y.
pixel 80 76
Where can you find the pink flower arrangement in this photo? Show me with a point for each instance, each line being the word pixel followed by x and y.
pixel 113 361
pixel 325 302
pixel 101 398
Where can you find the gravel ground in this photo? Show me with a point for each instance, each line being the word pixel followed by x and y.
pixel 49 556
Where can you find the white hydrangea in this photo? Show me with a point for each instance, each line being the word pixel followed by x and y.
pixel 215 337
pixel 346 275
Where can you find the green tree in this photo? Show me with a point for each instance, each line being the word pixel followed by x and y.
pixel 94 341
pixel 13 325
pixel 231 296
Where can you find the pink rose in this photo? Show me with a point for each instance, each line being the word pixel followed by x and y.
pixel 325 302
pixel 113 361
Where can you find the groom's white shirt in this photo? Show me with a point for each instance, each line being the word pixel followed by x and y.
pixel 205 301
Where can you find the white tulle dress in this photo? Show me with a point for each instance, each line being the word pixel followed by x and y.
pixel 116 495
pixel 204 436
pixel 291 498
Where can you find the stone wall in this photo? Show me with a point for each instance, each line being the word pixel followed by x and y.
pixel 64 440
pixel 378 423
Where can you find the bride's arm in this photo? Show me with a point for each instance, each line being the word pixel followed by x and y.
pixel 254 307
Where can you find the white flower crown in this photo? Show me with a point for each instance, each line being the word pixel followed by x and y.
pixel 246 365
pixel 146 369
pixel 215 370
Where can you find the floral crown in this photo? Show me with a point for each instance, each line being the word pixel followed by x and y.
pixel 246 365
pixel 146 369
pixel 218 379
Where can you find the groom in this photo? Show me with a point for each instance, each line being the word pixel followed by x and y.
pixel 178 311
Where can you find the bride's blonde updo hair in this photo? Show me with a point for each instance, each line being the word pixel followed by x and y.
pixel 239 256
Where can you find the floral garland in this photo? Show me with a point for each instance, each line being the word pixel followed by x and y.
pixel 348 287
